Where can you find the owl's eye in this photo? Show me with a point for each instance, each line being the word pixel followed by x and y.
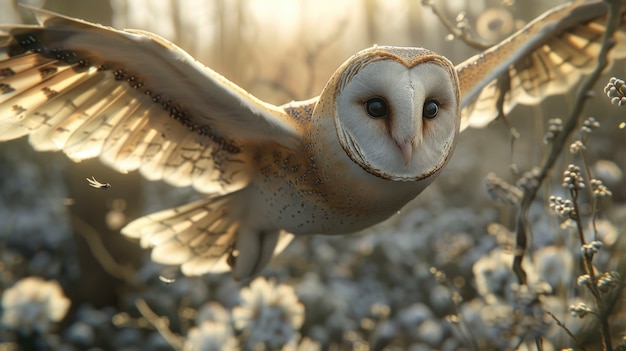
pixel 377 107
pixel 431 109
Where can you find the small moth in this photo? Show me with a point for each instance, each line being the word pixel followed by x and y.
pixel 96 184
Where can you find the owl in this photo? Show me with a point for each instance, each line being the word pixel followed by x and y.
pixel 381 130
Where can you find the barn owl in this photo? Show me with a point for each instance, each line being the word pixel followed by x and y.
pixel 381 130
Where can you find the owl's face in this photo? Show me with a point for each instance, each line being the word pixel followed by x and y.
pixel 396 111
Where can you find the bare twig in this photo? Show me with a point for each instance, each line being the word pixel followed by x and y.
pixel 613 17
pixel 161 324
pixel 587 258
pixel 457 318
pixel 566 329
pixel 279 86
pixel 561 140
pixel 461 33
pixel 100 253
pixel 594 203
pixel 313 53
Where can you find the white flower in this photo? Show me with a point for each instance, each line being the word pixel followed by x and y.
pixel 431 332
pixel 269 314
pixel 607 232
pixel 493 274
pixel 213 312
pixel 211 336
pixel 305 344
pixel 554 265
pixel 413 315
pixel 32 304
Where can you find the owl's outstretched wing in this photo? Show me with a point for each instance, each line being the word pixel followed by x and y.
pixel 133 99
pixel 546 57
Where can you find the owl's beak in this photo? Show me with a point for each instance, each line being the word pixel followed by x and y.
pixel 406 150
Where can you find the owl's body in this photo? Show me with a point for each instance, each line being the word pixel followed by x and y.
pixel 379 133
pixel 314 186
pixel 319 189
pixel 340 192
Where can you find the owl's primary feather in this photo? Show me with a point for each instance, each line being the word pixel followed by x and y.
pixel 547 57
pixel 379 133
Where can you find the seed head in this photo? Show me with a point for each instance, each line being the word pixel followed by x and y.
pixel 572 179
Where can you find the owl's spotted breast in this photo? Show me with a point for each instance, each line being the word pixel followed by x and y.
pixel 304 193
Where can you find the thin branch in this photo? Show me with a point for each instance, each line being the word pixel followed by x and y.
pixel 587 258
pixel 461 33
pixel 566 329
pixel 278 86
pixel 613 17
pixel 97 248
pixel 458 320
pixel 594 204
pixel 561 139
pixel 161 324
pixel 313 53
pixel 504 84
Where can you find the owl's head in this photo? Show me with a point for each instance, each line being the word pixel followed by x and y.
pixel 396 111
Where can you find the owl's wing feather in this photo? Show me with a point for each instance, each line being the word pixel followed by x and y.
pixel 201 237
pixel 198 236
pixel 134 100
pixel 547 57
